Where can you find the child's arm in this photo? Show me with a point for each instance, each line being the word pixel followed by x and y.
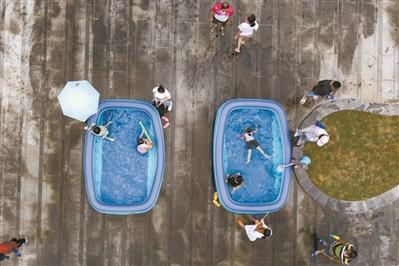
pixel 89 127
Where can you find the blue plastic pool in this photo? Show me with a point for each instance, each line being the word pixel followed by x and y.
pixel 119 180
pixel 264 188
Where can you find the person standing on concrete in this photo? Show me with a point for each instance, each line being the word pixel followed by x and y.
pixel 336 249
pixel 11 246
pixel 221 13
pixel 246 30
pixel 315 133
pixel 322 88
pixel 162 101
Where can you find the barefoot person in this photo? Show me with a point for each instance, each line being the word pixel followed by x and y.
pixel 162 101
pixel 221 13
pixel 336 249
pixel 100 131
pixel 249 138
pixel 245 31
pixel 322 88
pixel 256 230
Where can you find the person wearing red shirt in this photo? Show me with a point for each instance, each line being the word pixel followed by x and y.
pixel 11 246
pixel 221 13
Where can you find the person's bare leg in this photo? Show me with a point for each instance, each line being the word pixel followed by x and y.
pixel 108 123
pixel 240 223
pixel 239 41
pixel 262 152
pixel 213 27
pixel 249 155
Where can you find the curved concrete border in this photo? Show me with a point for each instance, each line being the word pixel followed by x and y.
pixel 318 113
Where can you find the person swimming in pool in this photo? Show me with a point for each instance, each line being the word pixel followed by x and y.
pixel 143 144
pixel 249 138
pixel 100 131
pixel 235 180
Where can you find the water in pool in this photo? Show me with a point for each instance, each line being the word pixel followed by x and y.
pixel 122 175
pixel 262 183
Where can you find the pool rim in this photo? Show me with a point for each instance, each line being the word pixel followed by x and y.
pixel 224 198
pixel 152 198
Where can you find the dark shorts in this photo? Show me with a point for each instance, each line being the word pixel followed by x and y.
pixel 252 143
pixel 215 21
pixel 162 110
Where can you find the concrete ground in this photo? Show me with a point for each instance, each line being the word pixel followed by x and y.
pixel 125 48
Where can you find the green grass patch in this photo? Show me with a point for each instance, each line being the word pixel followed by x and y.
pixel 361 159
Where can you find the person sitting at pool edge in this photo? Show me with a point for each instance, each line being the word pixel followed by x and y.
pixel 257 230
pixel 235 180
pixel 249 138
pixel 100 131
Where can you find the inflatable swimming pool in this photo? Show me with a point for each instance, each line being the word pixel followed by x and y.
pixel 120 180
pixel 264 189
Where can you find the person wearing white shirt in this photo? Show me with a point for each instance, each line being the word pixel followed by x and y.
pixel 257 230
pixel 162 101
pixel 313 134
pixel 246 31
pixel 249 138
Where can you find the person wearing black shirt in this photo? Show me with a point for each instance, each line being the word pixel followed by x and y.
pixel 322 88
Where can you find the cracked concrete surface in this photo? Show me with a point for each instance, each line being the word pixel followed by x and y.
pixel 125 48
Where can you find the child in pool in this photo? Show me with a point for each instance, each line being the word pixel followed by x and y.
pixel 235 180
pixel 100 131
pixel 143 144
pixel 249 138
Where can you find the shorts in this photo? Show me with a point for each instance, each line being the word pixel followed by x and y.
pixel 162 109
pixel 215 21
pixel 252 143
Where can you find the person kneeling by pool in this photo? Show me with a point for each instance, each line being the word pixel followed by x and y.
pixel 100 131
pixel 249 138
pixel 235 180
pixel 143 144
pixel 257 230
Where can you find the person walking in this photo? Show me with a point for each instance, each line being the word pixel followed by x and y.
pixel 336 249
pixel 315 133
pixel 100 131
pixel 322 88
pixel 256 230
pixel 249 138
pixel 162 101
pixel 245 31
pixel 11 246
pixel 221 13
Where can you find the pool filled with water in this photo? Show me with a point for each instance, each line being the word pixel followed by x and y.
pixel 123 176
pixel 262 183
